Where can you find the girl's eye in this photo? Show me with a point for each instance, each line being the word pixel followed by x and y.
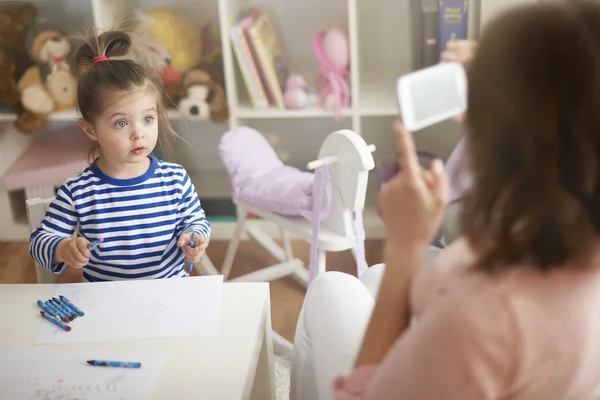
pixel 149 120
pixel 121 124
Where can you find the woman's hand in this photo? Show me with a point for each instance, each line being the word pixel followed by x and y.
pixel 412 204
pixel 461 51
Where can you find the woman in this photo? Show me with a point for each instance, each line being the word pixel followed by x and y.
pixel 509 310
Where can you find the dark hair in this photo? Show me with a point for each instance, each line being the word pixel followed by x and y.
pixel 534 136
pixel 119 73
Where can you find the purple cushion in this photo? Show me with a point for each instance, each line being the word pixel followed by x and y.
pixel 260 178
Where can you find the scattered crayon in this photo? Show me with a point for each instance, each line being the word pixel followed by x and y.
pixel 54 307
pixel 119 364
pixel 55 321
pixel 46 308
pixel 72 306
pixel 66 310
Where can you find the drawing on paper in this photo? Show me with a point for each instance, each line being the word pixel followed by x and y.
pixel 60 391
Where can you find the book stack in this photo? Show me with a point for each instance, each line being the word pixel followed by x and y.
pixel 434 24
pixel 260 58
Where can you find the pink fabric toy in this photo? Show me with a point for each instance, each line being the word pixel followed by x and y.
pixel 332 51
pixel 297 94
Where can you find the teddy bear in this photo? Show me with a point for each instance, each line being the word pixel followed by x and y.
pixel 48 85
pixel 15 22
pixel 201 97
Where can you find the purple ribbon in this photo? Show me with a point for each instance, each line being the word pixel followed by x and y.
pixel 322 182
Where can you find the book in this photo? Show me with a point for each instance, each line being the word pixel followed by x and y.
pixel 454 20
pixel 268 54
pixel 248 69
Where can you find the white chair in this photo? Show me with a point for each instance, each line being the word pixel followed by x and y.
pixel 36 210
pixel 350 162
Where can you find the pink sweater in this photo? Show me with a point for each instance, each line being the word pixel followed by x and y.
pixel 521 334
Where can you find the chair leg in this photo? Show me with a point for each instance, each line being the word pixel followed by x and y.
pixel 235 241
pixel 287 243
pixel 207 267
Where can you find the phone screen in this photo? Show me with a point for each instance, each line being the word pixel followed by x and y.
pixel 431 95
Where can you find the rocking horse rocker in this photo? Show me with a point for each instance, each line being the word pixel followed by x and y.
pixel 324 208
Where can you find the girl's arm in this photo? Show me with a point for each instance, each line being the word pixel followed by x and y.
pixel 191 216
pixel 59 224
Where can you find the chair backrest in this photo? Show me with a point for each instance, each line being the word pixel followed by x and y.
pixel 349 178
pixel 36 210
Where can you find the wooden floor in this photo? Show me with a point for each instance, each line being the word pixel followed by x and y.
pixel 16 266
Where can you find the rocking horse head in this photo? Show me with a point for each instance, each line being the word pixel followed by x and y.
pixel 350 162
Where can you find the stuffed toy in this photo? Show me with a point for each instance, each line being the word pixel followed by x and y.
pixel 15 22
pixel 175 32
pixel 202 98
pixel 48 85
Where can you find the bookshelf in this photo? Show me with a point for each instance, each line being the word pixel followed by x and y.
pixel 380 50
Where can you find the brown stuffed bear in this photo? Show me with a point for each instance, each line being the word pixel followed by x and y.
pixel 49 85
pixel 202 98
pixel 15 22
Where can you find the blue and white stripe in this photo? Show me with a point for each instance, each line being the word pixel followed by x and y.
pixel 140 219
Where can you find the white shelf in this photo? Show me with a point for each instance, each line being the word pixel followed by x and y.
pixel 247 112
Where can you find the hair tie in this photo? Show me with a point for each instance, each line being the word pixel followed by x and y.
pixel 100 58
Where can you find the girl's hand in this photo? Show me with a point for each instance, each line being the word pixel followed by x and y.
pixel 461 51
pixel 192 254
pixel 73 252
pixel 412 204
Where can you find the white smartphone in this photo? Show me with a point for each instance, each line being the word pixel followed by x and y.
pixel 432 95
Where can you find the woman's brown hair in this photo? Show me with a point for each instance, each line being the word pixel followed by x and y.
pixel 120 73
pixel 534 136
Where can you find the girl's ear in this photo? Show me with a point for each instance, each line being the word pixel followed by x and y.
pixel 88 129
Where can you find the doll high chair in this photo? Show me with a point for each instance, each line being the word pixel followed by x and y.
pixel 323 208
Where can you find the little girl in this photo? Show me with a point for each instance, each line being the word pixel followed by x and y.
pixel 145 211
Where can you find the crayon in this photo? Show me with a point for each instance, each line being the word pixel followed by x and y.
pixel 72 306
pixel 57 310
pixel 95 243
pixel 46 308
pixel 119 364
pixel 192 244
pixel 56 321
pixel 66 310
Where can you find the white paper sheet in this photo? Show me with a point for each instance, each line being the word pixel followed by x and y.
pixel 43 374
pixel 133 310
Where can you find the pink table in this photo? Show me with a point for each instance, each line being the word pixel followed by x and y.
pixel 53 157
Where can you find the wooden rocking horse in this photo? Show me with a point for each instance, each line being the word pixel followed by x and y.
pixel 324 208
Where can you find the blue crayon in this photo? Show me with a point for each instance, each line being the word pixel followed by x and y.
pixel 118 364
pixel 66 310
pixel 72 306
pixel 54 307
pixel 56 321
pixel 46 308
pixel 192 244
pixel 95 244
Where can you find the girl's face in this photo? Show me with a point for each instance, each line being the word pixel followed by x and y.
pixel 127 129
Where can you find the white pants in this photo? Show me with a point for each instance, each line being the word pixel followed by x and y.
pixel 332 323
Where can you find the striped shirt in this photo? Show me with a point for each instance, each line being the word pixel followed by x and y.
pixel 140 220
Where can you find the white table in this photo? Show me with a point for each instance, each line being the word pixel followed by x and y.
pixel 235 364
